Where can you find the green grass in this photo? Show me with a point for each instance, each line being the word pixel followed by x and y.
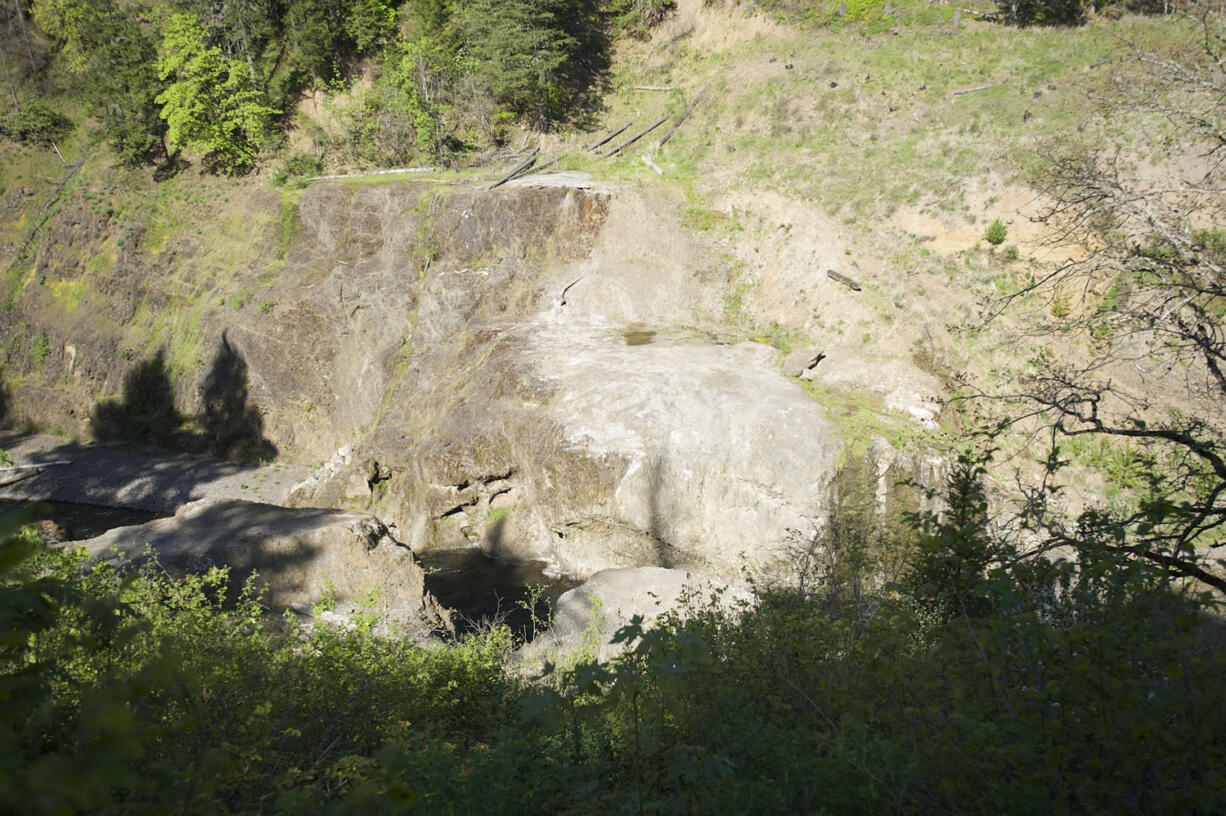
pixel 862 418
pixel 68 293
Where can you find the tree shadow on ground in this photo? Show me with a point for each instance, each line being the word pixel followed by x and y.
pixel 228 427
pixel 587 77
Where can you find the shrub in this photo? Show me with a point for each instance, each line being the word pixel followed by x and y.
pixel 35 123
pixel 997 231
pixel 298 165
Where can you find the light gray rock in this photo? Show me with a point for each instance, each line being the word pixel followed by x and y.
pixel 586 618
pixel 904 388
pixel 590 435
pixel 722 465
pixel 303 556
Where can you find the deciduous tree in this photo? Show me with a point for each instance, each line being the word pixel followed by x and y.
pixel 210 102
pixel 1147 286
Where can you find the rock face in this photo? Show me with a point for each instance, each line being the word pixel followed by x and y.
pixel 303 556
pixel 541 369
pixel 549 408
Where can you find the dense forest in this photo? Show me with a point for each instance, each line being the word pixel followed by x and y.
pixel 437 76
pixel 430 79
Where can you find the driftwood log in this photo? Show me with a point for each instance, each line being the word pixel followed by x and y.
pixel 843 279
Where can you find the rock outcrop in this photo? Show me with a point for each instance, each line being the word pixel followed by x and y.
pixel 302 557
pixel 551 408
pixel 544 369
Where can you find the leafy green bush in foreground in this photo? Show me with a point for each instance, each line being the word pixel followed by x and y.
pixel 983 683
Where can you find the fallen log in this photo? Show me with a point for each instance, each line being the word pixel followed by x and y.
pixel 519 168
pixel 980 87
pixel 638 135
pixel 540 168
pixel 843 279
pixel 680 119
pixel 612 136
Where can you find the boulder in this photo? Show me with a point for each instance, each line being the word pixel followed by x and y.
pixel 303 556
pixel 586 618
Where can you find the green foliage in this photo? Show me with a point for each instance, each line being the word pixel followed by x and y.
pixel 296 168
pixel 1048 683
pixel 210 102
pixel 996 233
pixel 141 693
pixel 1212 242
pixel 110 59
pixel 39 349
pixel 35 123
pixel 1042 12
pixel 638 16
pixel 369 23
pixel 948 573
pixel 523 51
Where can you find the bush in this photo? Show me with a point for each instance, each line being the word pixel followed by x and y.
pixel 640 15
pixel 298 166
pixel 990 683
pixel 996 233
pixel 35 123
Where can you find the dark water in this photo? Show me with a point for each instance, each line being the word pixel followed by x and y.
pixel 482 589
pixel 78 521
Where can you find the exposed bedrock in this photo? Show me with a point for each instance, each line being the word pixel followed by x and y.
pixel 302 557
pixel 542 370
pixel 556 408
